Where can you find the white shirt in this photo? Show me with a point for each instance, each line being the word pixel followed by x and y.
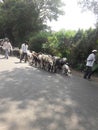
pixel 24 48
pixel 7 45
pixel 90 60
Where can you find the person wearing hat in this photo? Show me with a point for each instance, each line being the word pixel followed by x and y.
pixel 89 64
pixel 7 47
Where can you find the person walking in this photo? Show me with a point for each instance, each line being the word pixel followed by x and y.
pixel 7 47
pixel 24 49
pixel 89 64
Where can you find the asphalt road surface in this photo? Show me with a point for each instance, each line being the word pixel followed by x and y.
pixel 33 99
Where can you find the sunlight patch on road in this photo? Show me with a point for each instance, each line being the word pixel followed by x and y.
pixel 21 114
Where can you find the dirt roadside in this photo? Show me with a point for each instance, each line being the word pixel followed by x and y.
pixel 78 73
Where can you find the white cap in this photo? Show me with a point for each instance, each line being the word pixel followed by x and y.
pixel 94 50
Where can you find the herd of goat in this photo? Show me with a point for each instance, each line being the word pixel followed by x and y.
pixel 48 62
pixel 44 61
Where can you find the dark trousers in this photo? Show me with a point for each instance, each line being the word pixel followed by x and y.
pixel 88 72
pixel 23 56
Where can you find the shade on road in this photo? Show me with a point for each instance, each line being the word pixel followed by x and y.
pixel 33 99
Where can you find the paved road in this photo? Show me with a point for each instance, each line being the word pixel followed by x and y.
pixel 32 99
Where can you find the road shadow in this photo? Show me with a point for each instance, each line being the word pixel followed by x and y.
pixel 32 99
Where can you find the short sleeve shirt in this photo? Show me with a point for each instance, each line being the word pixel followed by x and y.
pixel 24 48
pixel 90 60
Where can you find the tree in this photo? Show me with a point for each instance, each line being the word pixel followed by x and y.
pixel 21 18
pixel 37 41
pixel 91 5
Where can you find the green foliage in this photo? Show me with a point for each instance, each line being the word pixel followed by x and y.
pixel 82 45
pixel 21 18
pixel 37 41
pixel 58 43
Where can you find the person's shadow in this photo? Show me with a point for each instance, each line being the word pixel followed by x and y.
pixel 17 62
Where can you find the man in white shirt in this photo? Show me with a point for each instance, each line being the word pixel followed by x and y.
pixel 7 47
pixel 24 49
pixel 89 64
